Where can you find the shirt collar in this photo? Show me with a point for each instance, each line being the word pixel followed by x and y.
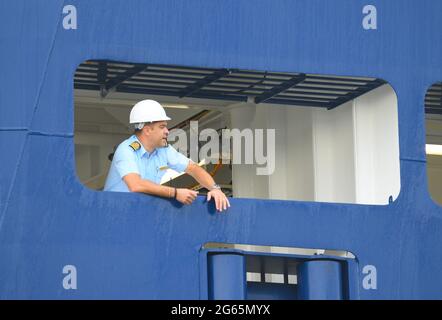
pixel 143 151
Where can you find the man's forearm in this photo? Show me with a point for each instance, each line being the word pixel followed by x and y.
pixel 156 189
pixel 136 184
pixel 206 180
pixel 201 175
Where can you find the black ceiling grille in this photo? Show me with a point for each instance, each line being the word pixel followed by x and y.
pixel 433 99
pixel 310 90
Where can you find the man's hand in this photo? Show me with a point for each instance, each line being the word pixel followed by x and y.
pixel 221 201
pixel 186 196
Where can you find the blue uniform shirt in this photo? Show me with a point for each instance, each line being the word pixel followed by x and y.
pixel 150 166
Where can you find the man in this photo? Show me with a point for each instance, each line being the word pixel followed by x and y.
pixel 141 160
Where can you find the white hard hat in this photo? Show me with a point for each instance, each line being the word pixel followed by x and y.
pixel 147 111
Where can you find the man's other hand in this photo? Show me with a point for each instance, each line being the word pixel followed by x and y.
pixel 186 196
pixel 221 201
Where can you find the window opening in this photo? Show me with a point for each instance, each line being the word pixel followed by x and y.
pixel 298 136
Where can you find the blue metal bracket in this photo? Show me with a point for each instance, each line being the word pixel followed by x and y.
pixel 281 88
pixel 188 91
pixel 113 83
pixel 101 78
pixel 354 94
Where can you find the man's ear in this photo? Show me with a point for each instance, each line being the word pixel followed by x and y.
pixel 146 129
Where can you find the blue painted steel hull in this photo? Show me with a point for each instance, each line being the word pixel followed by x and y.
pixel 129 246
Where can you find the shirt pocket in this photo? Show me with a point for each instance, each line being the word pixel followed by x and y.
pixel 161 169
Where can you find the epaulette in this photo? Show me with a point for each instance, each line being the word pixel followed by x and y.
pixel 135 145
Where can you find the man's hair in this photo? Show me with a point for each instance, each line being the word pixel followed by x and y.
pixel 138 128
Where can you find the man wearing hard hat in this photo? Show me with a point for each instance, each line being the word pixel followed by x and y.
pixel 139 161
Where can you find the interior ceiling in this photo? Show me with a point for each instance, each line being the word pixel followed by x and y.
pixel 308 90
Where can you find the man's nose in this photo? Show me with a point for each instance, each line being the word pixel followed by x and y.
pixel 166 131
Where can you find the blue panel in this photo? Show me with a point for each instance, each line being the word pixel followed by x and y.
pixel 11 143
pixel 227 277
pixel 271 291
pixel 28 30
pixel 320 280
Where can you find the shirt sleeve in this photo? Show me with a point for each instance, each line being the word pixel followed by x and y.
pixel 125 161
pixel 176 161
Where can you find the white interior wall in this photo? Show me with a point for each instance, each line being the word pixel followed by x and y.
pixel 349 154
pixel 91 155
pixel 300 173
pixel 313 153
pixel 334 172
pixel 275 118
pixel 377 146
pixel 83 161
pixel 293 175
pixel 245 182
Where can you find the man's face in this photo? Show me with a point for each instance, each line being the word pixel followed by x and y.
pixel 158 133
